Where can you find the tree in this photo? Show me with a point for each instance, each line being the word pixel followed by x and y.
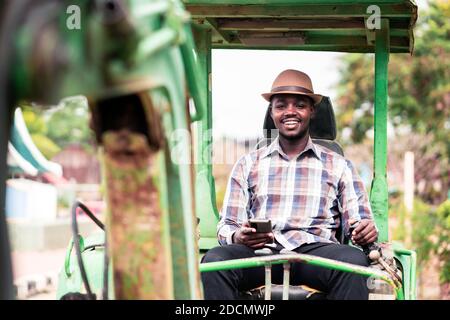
pixel 37 128
pixel 68 123
pixel 419 96
pixel 53 129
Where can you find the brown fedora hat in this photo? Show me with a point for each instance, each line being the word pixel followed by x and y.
pixel 293 82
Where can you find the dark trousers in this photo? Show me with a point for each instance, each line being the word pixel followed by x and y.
pixel 337 285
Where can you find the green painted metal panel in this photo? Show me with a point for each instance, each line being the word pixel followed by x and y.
pixel 69 278
pixel 379 190
pixel 408 260
pixel 182 221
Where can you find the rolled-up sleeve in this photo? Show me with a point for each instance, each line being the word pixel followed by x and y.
pixel 235 204
pixel 353 198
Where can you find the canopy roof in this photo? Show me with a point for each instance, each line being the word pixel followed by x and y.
pixel 320 25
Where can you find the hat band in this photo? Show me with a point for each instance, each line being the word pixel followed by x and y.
pixel 291 88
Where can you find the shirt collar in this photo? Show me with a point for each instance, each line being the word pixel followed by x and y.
pixel 275 146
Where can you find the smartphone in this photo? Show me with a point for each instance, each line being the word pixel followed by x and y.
pixel 261 225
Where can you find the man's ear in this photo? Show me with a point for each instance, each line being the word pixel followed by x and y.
pixel 313 112
pixel 270 110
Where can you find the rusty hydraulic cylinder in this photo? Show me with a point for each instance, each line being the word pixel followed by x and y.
pixel 136 236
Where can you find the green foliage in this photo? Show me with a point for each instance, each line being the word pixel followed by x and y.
pixel 34 121
pixel 423 221
pixel 430 234
pixel 56 128
pixel 37 127
pixel 356 92
pixel 69 123
pixel 419 85
pixel 443 244
pixel 47 147
pixel 419 98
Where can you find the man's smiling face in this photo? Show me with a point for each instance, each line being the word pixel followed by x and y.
pixel 291 114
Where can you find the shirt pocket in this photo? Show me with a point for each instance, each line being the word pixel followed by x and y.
pixel 265 186
pixel 328 198
pixel 329 193
pixel 257 196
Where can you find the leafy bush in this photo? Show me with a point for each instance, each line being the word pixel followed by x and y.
pixel 69 123
pixel 35 122
pixel 423 221
pixel 442 247
pixel 48 148
pixel 430 232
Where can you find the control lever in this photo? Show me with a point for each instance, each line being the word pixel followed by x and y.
pixel 373 251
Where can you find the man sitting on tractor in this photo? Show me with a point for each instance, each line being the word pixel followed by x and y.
pixel 306 190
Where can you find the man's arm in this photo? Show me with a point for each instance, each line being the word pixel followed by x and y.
pixel 356 207
pixel 235 203
pixel 233 226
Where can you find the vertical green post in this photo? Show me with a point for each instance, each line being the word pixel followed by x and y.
pixel 193 74
pixel 205 191
pixel 379 190
pixel 203 45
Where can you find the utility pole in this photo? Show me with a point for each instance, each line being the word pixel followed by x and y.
pixel 408 196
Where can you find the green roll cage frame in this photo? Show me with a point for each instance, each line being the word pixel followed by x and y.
pixel 162 49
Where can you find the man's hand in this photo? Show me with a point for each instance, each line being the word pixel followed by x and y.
pixel 249 237
pixel 364 233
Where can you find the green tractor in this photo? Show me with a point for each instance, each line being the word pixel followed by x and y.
pixel 145 67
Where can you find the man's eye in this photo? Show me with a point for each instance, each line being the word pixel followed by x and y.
pixel 300 106
pixel 279 106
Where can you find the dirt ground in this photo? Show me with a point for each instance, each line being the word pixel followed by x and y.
pixel 36 273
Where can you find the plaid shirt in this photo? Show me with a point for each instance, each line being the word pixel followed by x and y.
pixel 306 198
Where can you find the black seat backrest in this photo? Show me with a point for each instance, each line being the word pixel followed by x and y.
pixel 322 127
pixel 322 131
